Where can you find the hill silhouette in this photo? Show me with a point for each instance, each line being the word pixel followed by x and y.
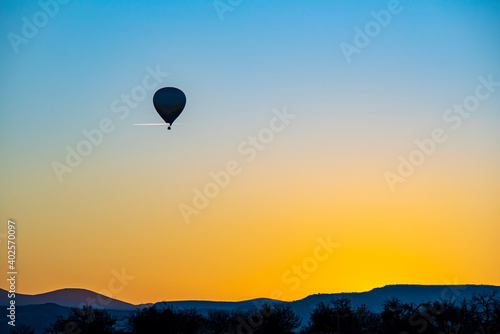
pixel 70 298
pixel 40 310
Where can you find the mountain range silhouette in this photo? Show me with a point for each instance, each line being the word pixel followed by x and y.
pixel 40 310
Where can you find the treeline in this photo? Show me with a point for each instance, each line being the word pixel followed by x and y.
pixel 477 315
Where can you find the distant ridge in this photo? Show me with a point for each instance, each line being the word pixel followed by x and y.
pixel 70 298
pixel 373 299
pixel 42 309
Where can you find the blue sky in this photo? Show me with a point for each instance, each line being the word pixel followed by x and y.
pixel 263 55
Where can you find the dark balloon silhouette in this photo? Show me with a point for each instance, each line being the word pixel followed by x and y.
pixel 169 103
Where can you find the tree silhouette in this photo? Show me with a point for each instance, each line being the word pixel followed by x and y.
pixel 477 315
pixel 278 319
pixel 398 317
pixel 219 321
pixel 486 309
pixel 22 329
pixel 366 320
pixel 153 320
pixel 443 316
pixel 87 320
pixel 321 321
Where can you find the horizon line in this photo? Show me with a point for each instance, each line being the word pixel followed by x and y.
pixel 252 299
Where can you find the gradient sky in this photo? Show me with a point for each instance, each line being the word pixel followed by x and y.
pixel 323 175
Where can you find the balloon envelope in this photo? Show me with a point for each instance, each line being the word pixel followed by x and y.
pixel 169 103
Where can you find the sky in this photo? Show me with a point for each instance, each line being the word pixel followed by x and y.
pixel 326 146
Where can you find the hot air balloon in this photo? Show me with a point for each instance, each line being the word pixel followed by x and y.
pixel 169 103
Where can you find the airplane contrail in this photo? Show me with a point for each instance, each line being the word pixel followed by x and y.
pixel 164 124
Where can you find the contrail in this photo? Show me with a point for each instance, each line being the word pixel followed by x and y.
pixel 164 124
